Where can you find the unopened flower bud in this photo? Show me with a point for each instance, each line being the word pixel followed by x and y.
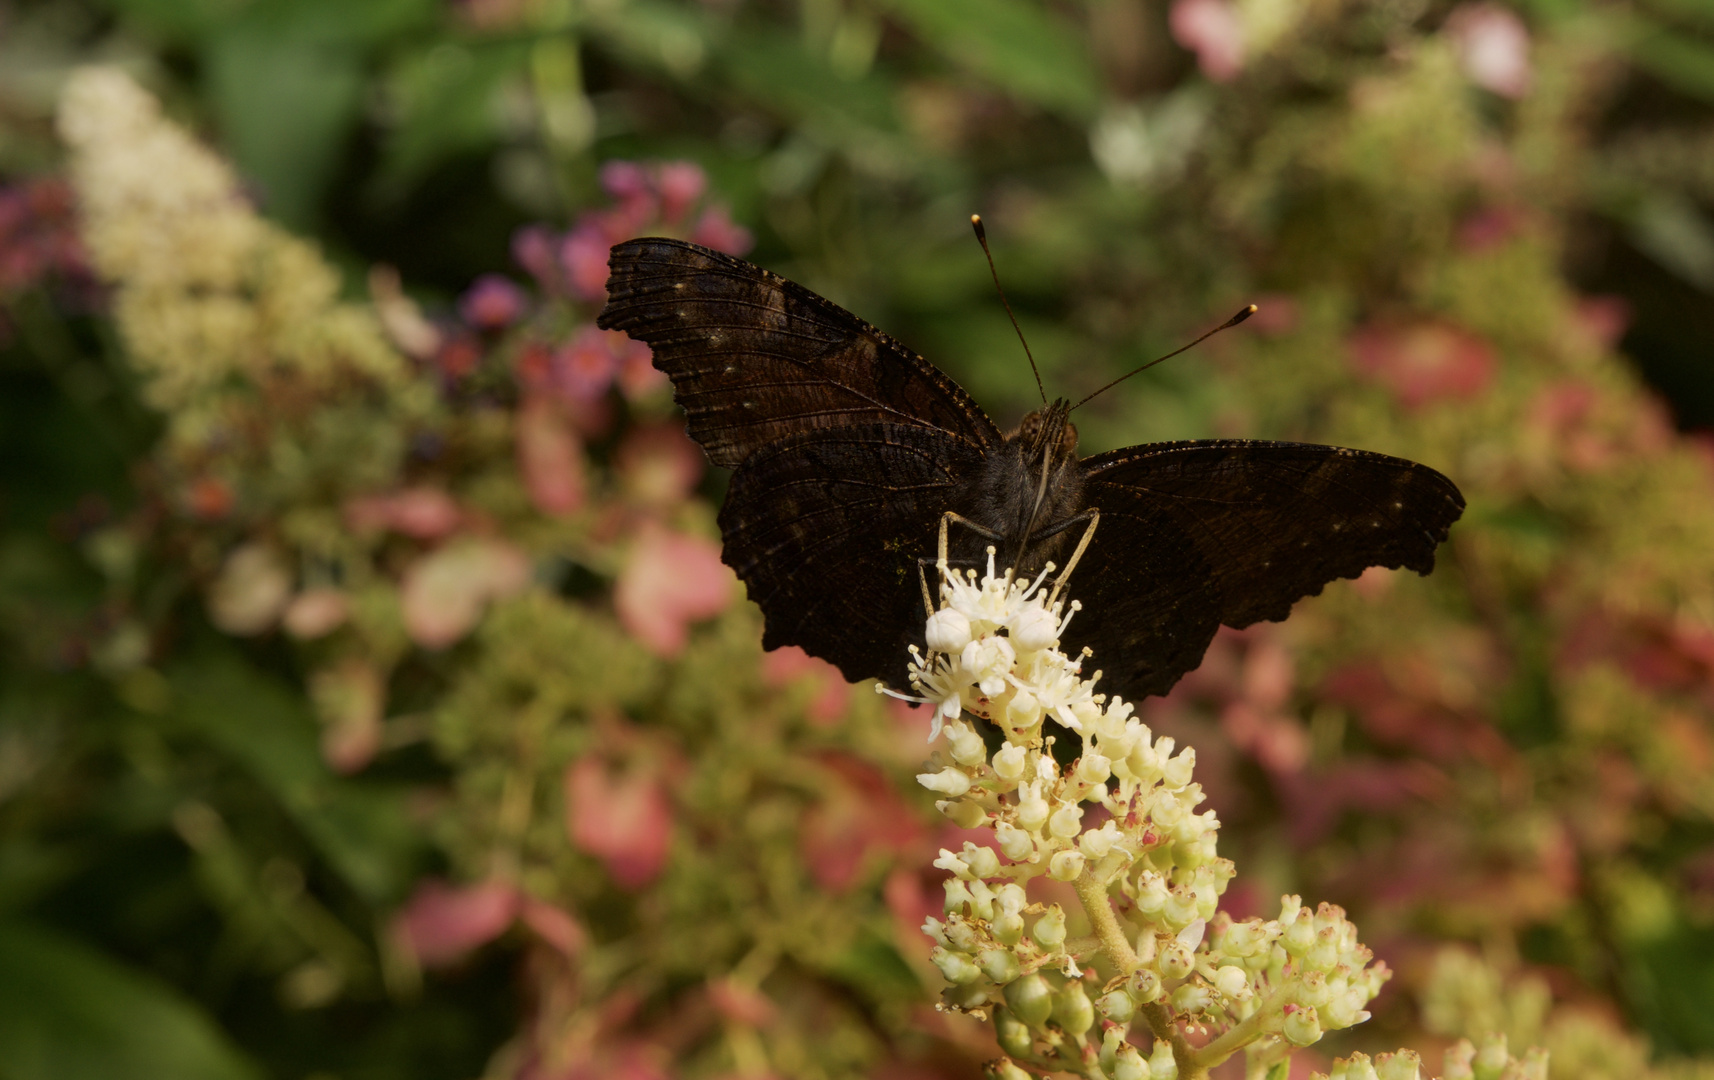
pixel 1302 1027
pixel 963 813
pixel 1324 954
pixel 1232 983
pixel 1030 999
pixel 1177 772
pixel 1492 1058
pixel 957 895
pixel 1093 768
pixel 967 747
pixel 1049 931
pixel 1009 762
pixel 1032 629
pixel 1192 998
pixel 1402 1065
pixel 1129 1065
pixel 1000 965
pixel 1180 910
pixel 961 936
pixel 1015 842
pixel 1145 986
pixel 958 968
pixel 1096 843
pixel 1298 938
pixel 948 781
pixel 1032 808
pixel 981 860
pixel 1007 927
pixel 1355 1067
pixel 1012 1034
pixel 1071 1008
pixel 1117 1006
pixel 1312 990
pixel 948 631
pixel 1162 1065
pixel 1066 865
pixel 1152 894
pixel 1066 822
pixel 1456 1065
pixel 1023 712
pixel 1174 960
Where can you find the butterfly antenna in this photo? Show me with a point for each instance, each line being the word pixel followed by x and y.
pixel 982 238
pixel 1249 310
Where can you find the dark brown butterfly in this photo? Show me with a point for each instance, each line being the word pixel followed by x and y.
pixel 849 448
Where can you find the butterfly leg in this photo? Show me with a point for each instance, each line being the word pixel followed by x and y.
pixel 949 517
pixel 1093 517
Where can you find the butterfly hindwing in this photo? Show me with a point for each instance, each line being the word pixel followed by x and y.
pixel 755 358
pixel 1194 535
pixel 825 527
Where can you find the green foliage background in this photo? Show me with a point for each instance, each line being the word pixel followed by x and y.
pixel 1505 771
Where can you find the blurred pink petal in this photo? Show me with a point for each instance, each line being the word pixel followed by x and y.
pixel 1424 362
pixel 532 249
pixel 637 376
pixel 1212 30
pixel 550 457
pixel 1487 228
pixel 1604 318
pixel 717 230
pixel 458 355
pixel 624 180
pixel 492 303
pixel 658 465
pixel 350 698
pixel 554 925
pixel 669 581
pixel 423 513
pixel 741 1004
pixel 584 367
pixel 1493 46
pixel 316 613
pixel 441 924
pixel 445 592
pixel 833 693
pixel 858 815
pixel 583 254
pixel 622 819
pixel 681 184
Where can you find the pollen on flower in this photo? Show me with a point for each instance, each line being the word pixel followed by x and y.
pixel 994 659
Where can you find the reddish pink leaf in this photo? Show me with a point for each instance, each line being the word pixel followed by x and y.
pixel 621 818
pixel 550 457
pixel 441 924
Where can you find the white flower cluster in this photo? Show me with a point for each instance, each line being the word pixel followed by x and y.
pixel 1121 825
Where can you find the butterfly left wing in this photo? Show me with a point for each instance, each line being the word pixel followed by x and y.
pixel 1194 535
pixel 825 528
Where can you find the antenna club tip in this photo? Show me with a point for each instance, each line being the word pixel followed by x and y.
pixel 1249 309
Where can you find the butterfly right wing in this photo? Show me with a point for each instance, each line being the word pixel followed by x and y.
pixel 825 528
pixel 755 358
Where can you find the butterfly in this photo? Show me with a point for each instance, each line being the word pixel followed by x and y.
pixel 848 449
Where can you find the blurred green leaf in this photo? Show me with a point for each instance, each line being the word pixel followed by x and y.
pixel 1673 56
pixel 447 98
pixel 68 1012
pixel 362 828
pixel 179 20
pixel 1017 45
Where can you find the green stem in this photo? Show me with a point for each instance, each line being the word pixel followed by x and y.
pixel 1093 892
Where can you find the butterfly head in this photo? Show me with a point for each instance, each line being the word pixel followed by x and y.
pixel 1048 434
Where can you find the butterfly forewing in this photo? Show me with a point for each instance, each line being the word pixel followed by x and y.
pixel 1194 535
pixel 755 358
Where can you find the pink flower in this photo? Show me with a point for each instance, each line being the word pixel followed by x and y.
pixel 1211 29
pixel 1493 46
pixel 1604 318
pixel 791 664
pixel 638 377
pixel 422 513
pixel 532 249
pixel 441 924
pixel 858 815
pixel 741 1004
pixel 1423 362
pixel 716 229
pixel 584 367
pixel 444 593
pixel 550 458
pixel 1487 228
pixel 492 303
pixel 554 925
pixel 626 181
pixel 681 184
pixel 669 581
pixel 658 465
pixel 583 254
pixel 621 818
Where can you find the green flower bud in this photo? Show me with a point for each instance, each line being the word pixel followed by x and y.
pixel 1007 927
pixel 1066 865
pixel 1145 986
pixel 1175 960
pixel 1232 983
pixel 1071 1008
pixel 1093 769
pixel 963 813
pixel 1004 1069
pixel 1162 1065
pixel 951 781
pixel 1030 999
pixel 957 896
pixel 1012 1034
pixel 969 996
pixel 1355 1067
pixel 1049 931
pixel 998 964
pixel 1456 1064
pixel 958 968
pixel 1117 1006
pixel 967 746
pixel 1302 1027
pixel 1009 762
pixel 1492 1058
pixel 982 861
pixel 1129 1065
pixel 1299 936
pixel 1066 822
pixel 1403 1065
pixel 1192 998
pixel 961 936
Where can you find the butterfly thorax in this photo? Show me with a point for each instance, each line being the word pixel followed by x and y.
pixel 1031 483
